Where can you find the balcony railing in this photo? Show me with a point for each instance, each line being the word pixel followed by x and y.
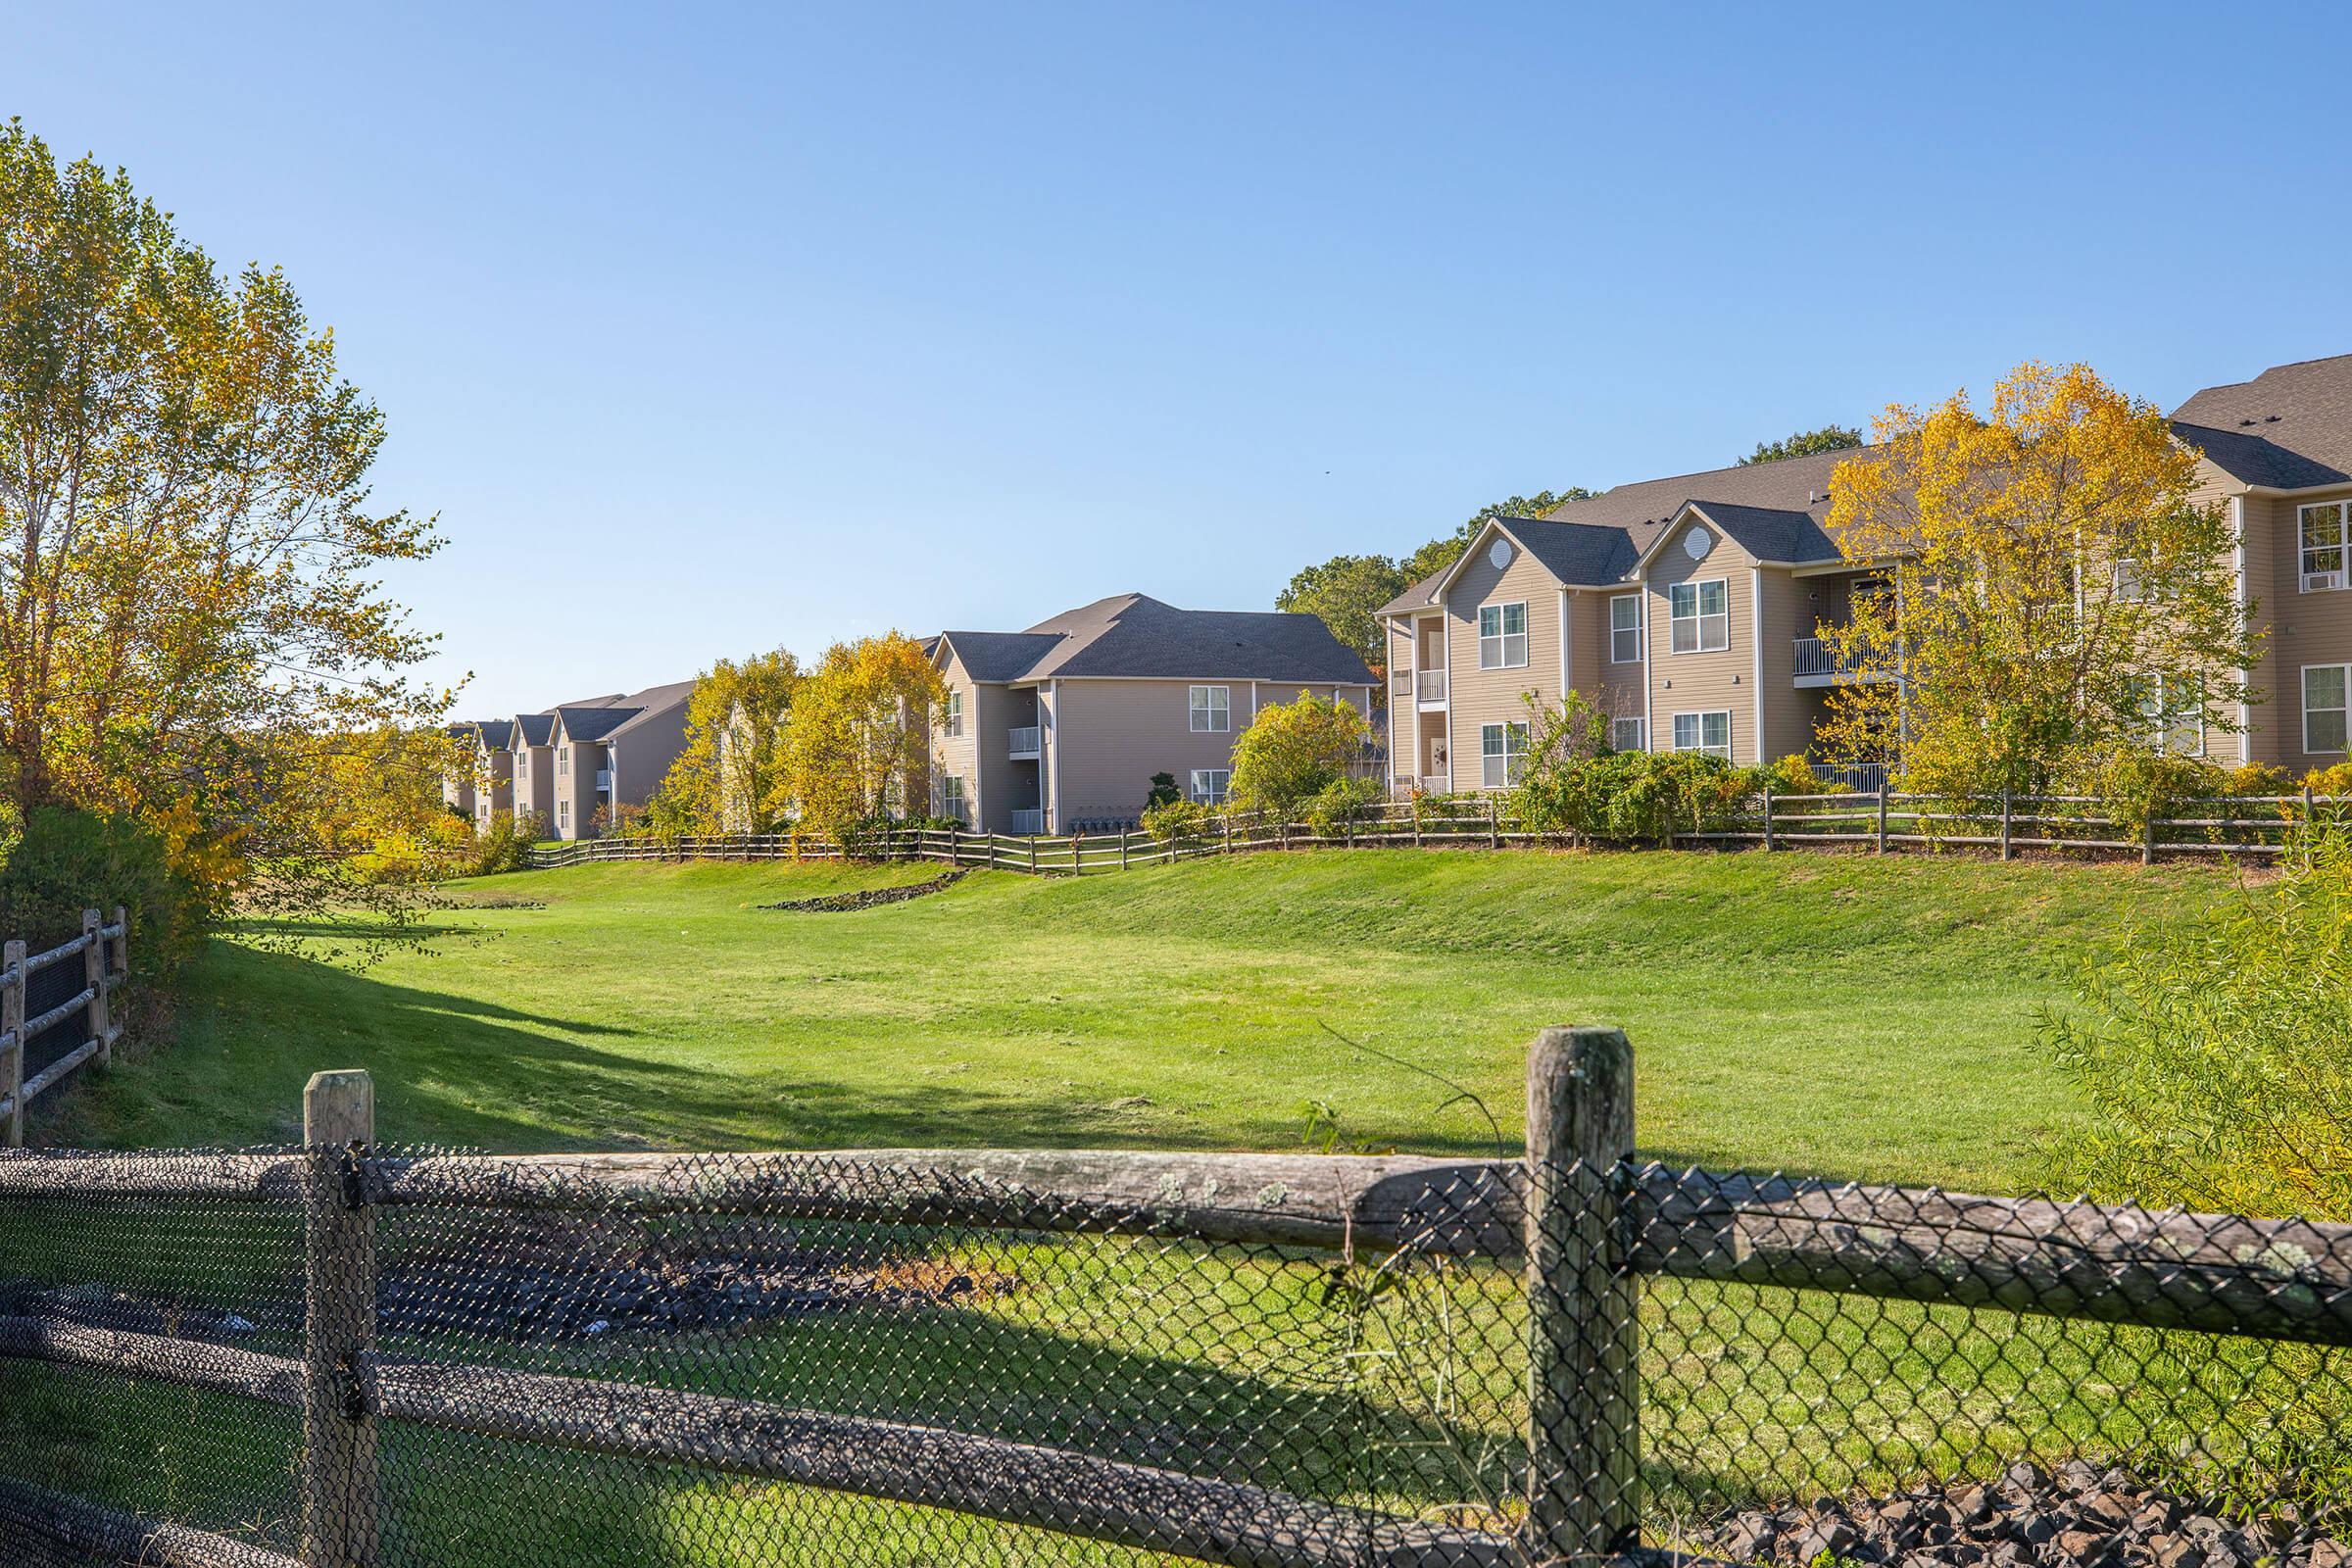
pixel 1815 658
pixel 1028 822
pixel 1429 685
pixel 1026 743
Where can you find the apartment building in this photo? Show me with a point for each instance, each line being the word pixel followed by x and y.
pixel 1688 610
pixel 483 784
pixel 574 760
pixel 1061 727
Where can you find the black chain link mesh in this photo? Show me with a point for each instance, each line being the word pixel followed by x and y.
pixel 748 1360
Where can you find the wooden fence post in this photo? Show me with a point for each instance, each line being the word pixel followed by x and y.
pixel 1125 835
pixel 2147 839
pixel 2007 815
pixel 12 1042
pixel 339 1478
pixel 1227 820
pixel 93 980
pixel 1768 819
pixel 1881 816
pixel 1494 825
pixel 1077 861
pixel 1033 854
pixel 1583 1389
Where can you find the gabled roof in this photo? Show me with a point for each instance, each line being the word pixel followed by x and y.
pixel 493 733
pixel 1134 636
pixel 1772 536
pixel 651 706
pixel 2289 428
pixel 593 723
pixel 535 729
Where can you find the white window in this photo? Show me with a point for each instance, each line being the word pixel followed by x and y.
pixel 950 717
pixel 1501 636
pixel 2324 688
pixel 1625 629
pixel 1702 615
pixel 1625 734
pixel 2175 715
pixel 951 799
pixel 1710 733
pixel 1502 749
pixel 1209 784
pixel 1212 709
pixel 2324 528
pixel 2128 587
pixel 564 813
pixel 563 760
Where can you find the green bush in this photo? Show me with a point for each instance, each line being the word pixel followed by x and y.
pixel 497 847
pixel 1164 790
pixel 1341 801
pixel 1633 797
pixel 66 860
pixel 1178 821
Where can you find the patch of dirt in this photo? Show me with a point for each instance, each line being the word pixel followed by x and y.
pixel 869 897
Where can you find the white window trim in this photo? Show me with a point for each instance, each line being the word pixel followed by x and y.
pixel 2304 582
pixel 1703 715
pixel 1505 756
pixel 2303 695
pixel 1698 598
pixel 564 761
pixel 1211 711
pixel 2159 720
pixel 952 716
pixel 1502 638
pixel 1209 785
pixel 1639 603
pixel 1640 733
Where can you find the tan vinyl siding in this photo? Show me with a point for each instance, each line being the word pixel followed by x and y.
pixel 535 783
pixel 494 789
pixel 1114 735
pixel 959 755
pixel 1478 697
pixel 2307 628
pixel 1789 610
pixel 1615 689
pixel 1703 682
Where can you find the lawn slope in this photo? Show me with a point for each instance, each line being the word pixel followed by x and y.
pixel 1872 1018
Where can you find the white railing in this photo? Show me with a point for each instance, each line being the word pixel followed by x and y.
pixel 1028 823
pixel 1026 742
pixel 1429 686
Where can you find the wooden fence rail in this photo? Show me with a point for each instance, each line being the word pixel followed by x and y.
pixel 102 971
pixel 1575 1217
pixel 1879 821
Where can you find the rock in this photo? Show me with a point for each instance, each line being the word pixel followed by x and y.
pixel 2082 1545
pixel 2176 1552
pixel 1829 1535
pixel 1751 1538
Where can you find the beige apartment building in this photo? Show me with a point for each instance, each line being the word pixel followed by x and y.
pixel 1061 727
pixel 484 785
pixel 1688 610
pixel 574 760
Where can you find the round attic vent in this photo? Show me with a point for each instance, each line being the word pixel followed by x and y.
pixel 1501 554
pixel 1696 543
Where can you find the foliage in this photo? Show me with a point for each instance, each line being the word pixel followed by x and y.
pixel 1293 752
pixel 66 860
pixel 2137 787
pixel 2215 1056
pixel 192 634
pixel 2257 778
pixel 2334 779
pixel 1343 593
pixel 856 746
pixel 1804 444
pixel 2055 597
pixel 1178 821
pixel 1341 801
pixel 726 776
pixel 1443 552
pixel 1571 782
pixel 1792 775
pixel 499 846
pixel 1164 790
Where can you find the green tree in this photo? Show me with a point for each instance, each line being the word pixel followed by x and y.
pixel 732 759
pixel 1343 593
pixel 1804 444
pixel 1293 752
pixel 1443 552
pixel 192 629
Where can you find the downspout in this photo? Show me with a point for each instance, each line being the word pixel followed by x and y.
pixel 1445 649
pixel 1756 612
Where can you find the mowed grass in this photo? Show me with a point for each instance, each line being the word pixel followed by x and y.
pixel 1854 1016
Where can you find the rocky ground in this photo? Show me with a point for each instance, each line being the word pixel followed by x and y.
pixel 869 897
pixel 2029 1518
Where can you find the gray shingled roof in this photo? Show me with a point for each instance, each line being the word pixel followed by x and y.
pixel 537 728
pixel 2289 428
pixel 1771 533
pixel 1132 636
pixel 651 703
pixel 494 732
pixel 594 724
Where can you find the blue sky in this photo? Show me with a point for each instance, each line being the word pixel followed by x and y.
pixel 709 330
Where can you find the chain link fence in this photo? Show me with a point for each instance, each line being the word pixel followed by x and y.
pixel 341 1356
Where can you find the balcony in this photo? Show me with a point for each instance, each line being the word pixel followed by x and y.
pixel 1026 743
pixel 1819 663
pixel 1429 688
pixel 1028 823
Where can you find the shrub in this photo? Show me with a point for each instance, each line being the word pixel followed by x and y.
pixel 2136 785
pixel 1177 821
pixel 1293 753
pixel 2258 778
pixel 1163 791
pixel 2335 779
pixel 66 860
pixel 1633 797
pixel 1792 775
pixel 2215 1055
pixel 1341 801
pixel 499 847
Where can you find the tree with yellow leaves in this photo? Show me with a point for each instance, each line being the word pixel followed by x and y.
pixel 857 748
pixel 191 633
pixel 2055 598
pixel 729 769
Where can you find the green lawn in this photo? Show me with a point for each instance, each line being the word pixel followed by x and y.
pixel 1869 1018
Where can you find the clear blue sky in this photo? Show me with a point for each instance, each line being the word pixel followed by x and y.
pixel 709 329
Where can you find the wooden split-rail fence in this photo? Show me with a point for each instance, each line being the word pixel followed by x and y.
pixel 1879 821
pixel 51 1005
pixel 1579 1222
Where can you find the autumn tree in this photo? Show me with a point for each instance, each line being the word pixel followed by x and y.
pixel 192 633
pixel 1804 444
pixel 728 771
pixel 1293 752
pixel 1344 593
pixel 856 747
pixel 2054 601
